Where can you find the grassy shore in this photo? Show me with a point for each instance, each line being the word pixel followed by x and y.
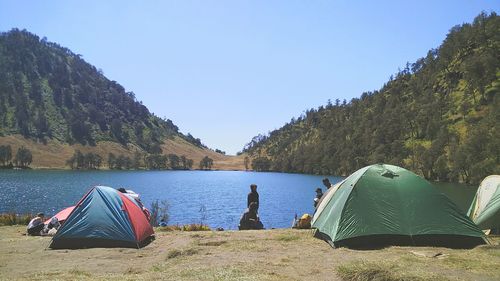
pixel 282 254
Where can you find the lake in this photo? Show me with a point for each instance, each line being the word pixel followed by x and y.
pixel 222 193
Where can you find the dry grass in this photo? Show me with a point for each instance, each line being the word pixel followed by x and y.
pixel 383 271
pixel 54 154
pixel 281 254
pixel 14 219
pixel 221 162
pixel 480 259
pixel 212 243
pixel 182 253
pixel 185 227
pixel 77 272
pixel 287 237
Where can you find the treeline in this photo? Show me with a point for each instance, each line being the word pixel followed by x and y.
pixel 22 159
pixel 169 161
pixel 49 92
pixel 438 117
pixel 206 163
pixel 92 161
pixel 261 164
pixel 220 151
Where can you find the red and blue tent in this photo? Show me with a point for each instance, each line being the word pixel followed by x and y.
pixel 62 215
pixel 104 217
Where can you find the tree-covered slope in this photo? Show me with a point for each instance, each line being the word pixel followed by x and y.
pixel 48 92
pixel 439 116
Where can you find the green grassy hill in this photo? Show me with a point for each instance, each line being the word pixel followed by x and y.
pixel 438 117
pixel 54 103
pixel 48 92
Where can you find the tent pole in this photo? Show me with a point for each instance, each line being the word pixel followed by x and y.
pixel 47 245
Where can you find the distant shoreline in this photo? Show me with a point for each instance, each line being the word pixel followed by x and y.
pixel 122 170
pixel 201 170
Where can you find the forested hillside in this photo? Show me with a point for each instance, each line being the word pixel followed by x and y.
pixel 48 92
pixel 438 116
pixel 67 114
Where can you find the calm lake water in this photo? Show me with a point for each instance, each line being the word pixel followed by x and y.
pixel 222 193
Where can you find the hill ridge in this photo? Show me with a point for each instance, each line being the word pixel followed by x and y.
pixel 438 117
pixel 48 94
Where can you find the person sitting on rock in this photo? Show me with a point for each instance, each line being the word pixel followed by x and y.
pixel 250 219
pixel 36 225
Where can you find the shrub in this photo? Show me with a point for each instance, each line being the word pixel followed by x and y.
pixel 14 219
pixel 186 227
pixel 159 212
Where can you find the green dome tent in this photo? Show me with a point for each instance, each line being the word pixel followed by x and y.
pixel 485 208
pixel 382 205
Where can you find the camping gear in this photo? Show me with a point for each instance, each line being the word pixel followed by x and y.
pixel 130 193
pixel 304 222
pixel 485 208
pixel 62 215
pixel 104 217
pixel 382 205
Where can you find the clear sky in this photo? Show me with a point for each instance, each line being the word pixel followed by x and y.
pixel 228 70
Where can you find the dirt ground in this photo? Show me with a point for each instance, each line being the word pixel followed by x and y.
pixel 281 254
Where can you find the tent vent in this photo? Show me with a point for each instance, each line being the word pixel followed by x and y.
pixel 389 174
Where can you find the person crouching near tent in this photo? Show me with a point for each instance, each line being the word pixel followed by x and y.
pixel 36 225
pixel 250 219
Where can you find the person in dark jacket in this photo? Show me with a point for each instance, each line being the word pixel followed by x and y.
pixel 319 194
pixel 253 196
pixel 326 183
pixel 250 219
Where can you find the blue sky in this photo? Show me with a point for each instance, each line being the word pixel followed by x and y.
pixel 228 70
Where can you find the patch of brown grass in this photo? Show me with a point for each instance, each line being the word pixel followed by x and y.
pixel 175 253
pixel 133 270
pixel 288 237
pixel 230 273
pixel 14 219
pixel 212 243
pixel 382 271
pixel 78 272
pixel 480 259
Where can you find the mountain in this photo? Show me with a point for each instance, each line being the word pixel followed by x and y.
pixel 438 117
pixel 55 103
